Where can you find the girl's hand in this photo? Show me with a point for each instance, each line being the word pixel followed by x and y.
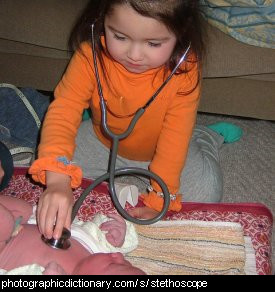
pixel 143 213
pixel 2 173
pixel 55 205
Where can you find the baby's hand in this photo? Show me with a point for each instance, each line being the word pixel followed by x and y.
pixel 116 230
pixel 53 268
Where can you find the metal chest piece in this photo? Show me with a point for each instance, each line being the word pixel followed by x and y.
pixel 62 243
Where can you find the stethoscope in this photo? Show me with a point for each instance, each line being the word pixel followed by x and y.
pixel 63 242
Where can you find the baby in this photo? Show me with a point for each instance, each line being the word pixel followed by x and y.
pixel 21 245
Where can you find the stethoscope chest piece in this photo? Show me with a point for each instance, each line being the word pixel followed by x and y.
pixel 62 243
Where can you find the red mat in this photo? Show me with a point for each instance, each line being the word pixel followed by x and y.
pixel 256 219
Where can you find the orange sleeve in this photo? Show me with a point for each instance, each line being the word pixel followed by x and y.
pixel 72 96
pixel 40 166
pixel 176 132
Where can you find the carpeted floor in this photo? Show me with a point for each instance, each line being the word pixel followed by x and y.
pixel 249 164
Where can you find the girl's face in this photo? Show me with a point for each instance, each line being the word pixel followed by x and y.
pixel 138 43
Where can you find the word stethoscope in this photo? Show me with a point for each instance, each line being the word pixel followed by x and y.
pixel 63 242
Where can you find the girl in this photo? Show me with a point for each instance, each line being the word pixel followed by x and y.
pixel 138 44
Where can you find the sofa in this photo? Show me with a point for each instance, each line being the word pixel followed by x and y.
pixel 238 79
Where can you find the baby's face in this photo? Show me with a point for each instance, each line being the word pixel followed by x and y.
pixel 107 264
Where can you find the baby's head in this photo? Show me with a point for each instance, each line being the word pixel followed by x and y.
pixel 162 28
pixel 106 264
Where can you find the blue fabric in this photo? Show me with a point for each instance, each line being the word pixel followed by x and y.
pixel 230 132
pixel 17 125
pixel 249 21
pixel 86 115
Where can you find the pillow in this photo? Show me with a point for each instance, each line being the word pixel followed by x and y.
pixel 248 21
pixel 242 3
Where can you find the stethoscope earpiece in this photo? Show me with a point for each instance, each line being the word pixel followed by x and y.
pixel 61 243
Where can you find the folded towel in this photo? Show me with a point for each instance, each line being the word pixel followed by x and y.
pixel 191 248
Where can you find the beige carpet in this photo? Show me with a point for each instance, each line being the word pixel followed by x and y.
pixel 249 164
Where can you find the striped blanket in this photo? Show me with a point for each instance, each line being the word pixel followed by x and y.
pixel 249 21
pixel 193 248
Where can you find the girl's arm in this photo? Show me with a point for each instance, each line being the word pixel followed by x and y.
pixel 172 146
pixel 53 166
pixel 63 118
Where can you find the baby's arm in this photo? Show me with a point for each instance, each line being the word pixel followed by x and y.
pixel 17 207
pixel 7 225
pixel 116 230
pixel 10 210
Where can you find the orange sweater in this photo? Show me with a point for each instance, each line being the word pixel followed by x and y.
pixel 161 135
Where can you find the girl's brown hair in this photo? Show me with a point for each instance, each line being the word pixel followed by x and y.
pixel 182 17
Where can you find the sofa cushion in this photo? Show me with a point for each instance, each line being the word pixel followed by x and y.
pixel 43 23
pixel 227 57
pixel 13 47
pixel 239 97
pixel 44 28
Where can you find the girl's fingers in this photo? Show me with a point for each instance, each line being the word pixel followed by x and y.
pixel 54 211
pixel 134 212
pixel 63 220
pixel 50 218
pixel 41 215
pixel 68 221
pixel 143 213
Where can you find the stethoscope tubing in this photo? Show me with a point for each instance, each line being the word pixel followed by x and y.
pixel 119 172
